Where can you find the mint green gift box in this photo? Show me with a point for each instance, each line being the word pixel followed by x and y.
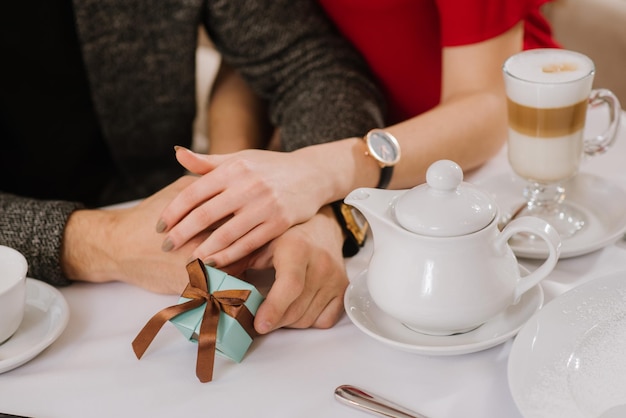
pixel 232 340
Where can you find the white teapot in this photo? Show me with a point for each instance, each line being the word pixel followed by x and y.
pixel 440 264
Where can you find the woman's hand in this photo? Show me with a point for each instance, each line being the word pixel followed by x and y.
pixel 248 198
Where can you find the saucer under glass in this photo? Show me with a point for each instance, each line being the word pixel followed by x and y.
pixel 601 200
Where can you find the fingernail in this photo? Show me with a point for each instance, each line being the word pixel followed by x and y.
pixel 180 147
pixel 264 327
pixel 167 245
pixel 161 226
pixel 210 263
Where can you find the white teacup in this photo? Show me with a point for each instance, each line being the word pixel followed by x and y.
pixel 13 268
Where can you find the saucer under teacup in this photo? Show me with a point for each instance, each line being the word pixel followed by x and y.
pixel 370 319
pixel 600 200
pixel 45 317
pixel 442 334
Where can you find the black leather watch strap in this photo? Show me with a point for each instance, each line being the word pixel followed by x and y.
pixel 385 177
pixel 355 233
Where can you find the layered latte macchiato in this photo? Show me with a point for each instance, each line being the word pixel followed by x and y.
pixel 548 92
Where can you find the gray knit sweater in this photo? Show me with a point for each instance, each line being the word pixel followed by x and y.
pixel 140 60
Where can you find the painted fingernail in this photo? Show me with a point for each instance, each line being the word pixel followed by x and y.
pixel 167 245
pixel 210 263
pixel 161 226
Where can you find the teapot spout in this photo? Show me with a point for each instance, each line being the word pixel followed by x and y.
pixel 376 206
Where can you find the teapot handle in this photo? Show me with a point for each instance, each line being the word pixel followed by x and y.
pixel 545 231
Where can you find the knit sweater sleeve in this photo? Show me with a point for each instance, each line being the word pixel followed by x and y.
pixel 318 87
pixel 35 228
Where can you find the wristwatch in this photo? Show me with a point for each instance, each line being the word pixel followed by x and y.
pixel 385 149
pixel 354 226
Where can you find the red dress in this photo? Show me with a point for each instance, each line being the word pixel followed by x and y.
pixel 402 40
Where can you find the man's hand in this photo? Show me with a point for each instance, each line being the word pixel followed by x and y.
pixel 310 279
pixel 121 244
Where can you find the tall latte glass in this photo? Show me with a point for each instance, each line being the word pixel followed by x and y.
pixel 548 93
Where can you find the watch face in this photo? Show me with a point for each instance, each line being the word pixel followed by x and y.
pixel 384 147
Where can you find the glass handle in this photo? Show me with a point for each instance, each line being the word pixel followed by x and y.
pixel 601 143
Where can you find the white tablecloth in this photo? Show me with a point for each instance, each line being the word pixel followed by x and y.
pixel 91 371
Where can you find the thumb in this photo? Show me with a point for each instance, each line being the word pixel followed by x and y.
pixel 287 287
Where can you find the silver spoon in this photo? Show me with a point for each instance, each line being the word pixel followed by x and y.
pixel 360 399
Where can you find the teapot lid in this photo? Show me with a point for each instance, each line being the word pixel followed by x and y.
pixel 444 206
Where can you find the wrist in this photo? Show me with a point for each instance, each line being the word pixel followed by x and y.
pixel 342 166
pixel 84 254
pixel 337 231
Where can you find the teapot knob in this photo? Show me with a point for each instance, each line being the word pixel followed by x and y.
pixel 445 206
pixel 444 175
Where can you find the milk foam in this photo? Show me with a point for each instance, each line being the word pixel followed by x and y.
pixel 546 78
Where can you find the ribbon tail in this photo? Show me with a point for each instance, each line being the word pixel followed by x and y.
pixel 153 326
pixel 207 341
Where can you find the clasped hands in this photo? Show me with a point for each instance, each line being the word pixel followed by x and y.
pixel 259 218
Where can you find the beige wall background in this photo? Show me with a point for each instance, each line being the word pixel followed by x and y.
pixel 596 28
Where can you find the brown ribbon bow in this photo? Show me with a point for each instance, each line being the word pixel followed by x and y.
pixel 230 302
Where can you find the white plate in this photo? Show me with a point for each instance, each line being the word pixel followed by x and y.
pixel 45 318
pixel 602 202
pixel 377 324
pixel 569 360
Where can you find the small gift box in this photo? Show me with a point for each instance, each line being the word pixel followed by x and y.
pixel 215 310
pixel 233 340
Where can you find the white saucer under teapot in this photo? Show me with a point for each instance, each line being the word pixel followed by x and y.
pixel 440 264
